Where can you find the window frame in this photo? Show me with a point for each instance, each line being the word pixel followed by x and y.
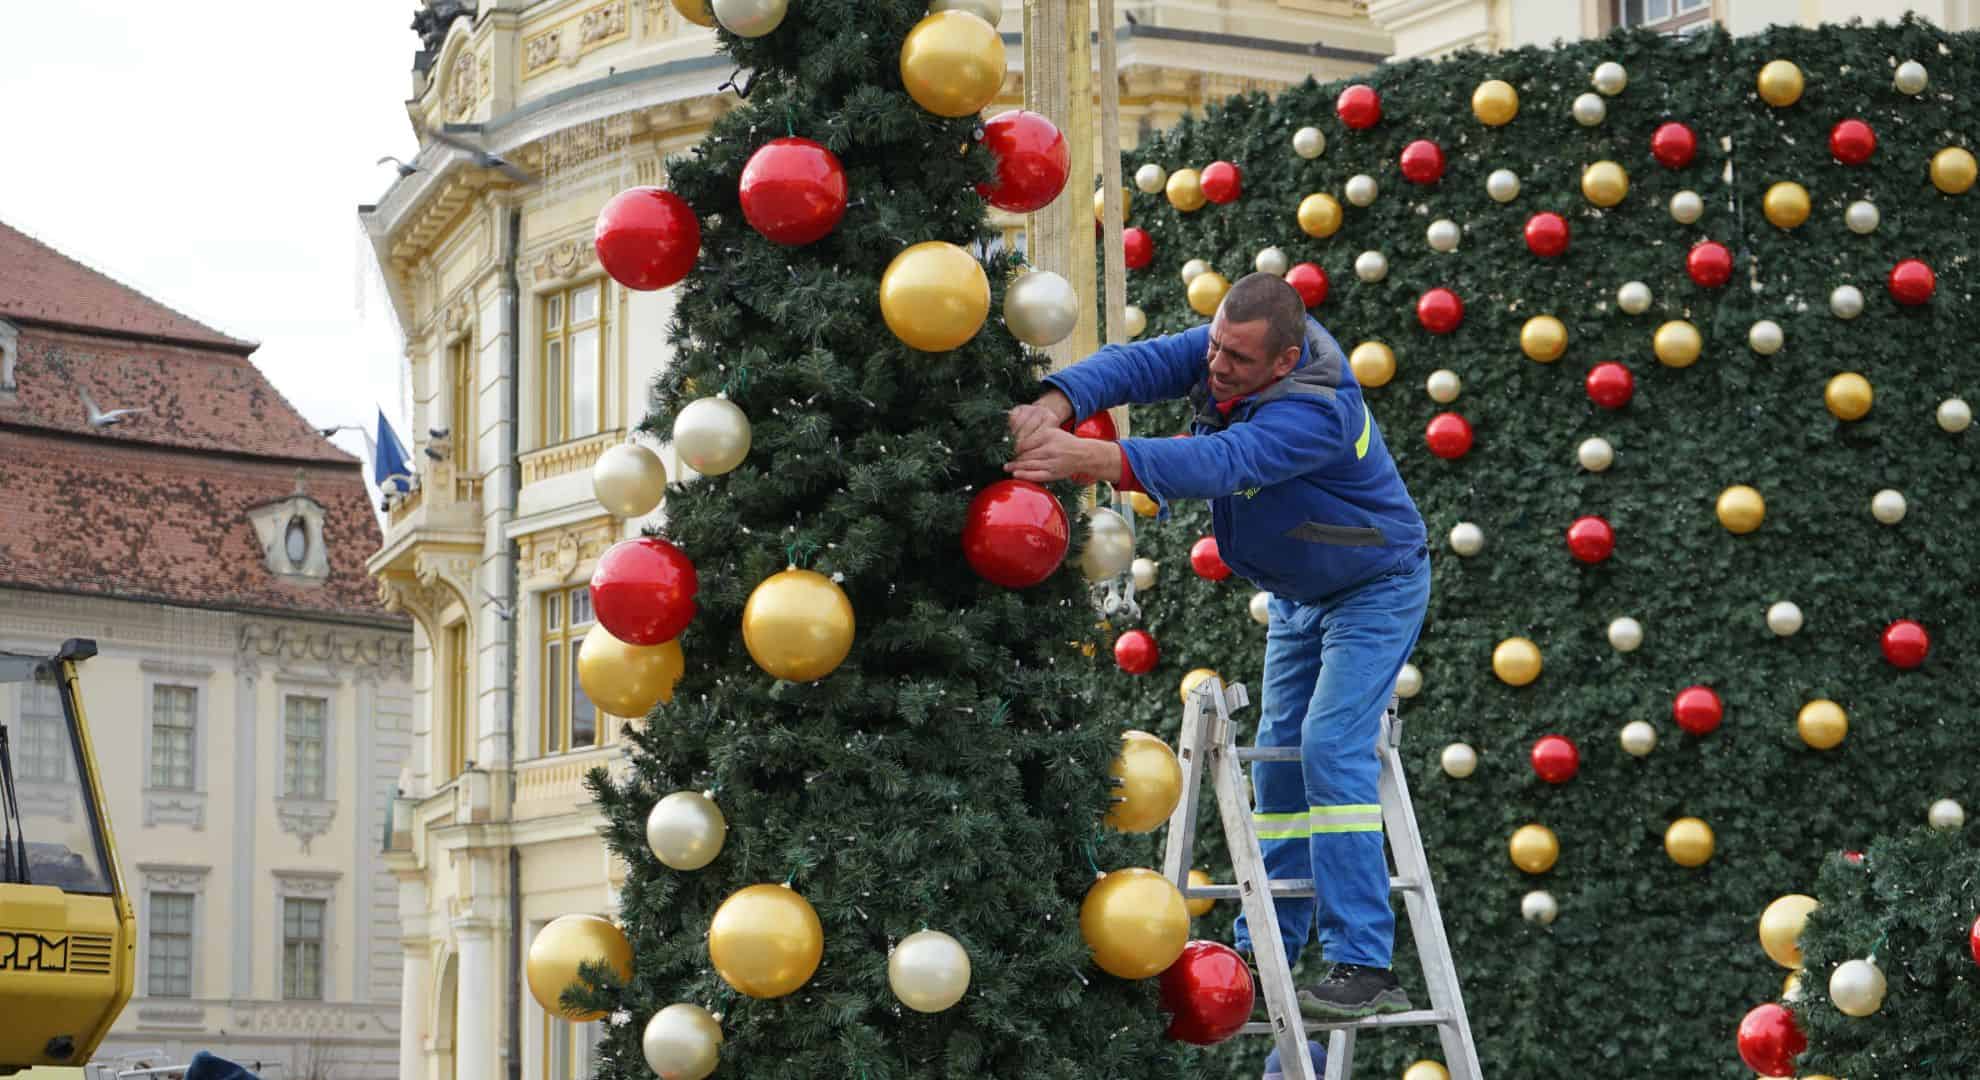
pixel 153 744
pixel 554 397
pixel 457 644
pixel 321 943
pixel 559 636
pixel 1678 22
pixel 31 746
pixel 461 403
pixel 288 786
pixel 153 935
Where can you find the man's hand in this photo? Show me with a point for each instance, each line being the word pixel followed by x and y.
pixel 1049 453
pixel 1049 411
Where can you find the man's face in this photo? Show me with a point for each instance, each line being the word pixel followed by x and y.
pixel 1239 363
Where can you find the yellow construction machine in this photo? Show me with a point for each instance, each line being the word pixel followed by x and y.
pixel 67 938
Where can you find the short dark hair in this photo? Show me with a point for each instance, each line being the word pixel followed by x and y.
pixel 1268 297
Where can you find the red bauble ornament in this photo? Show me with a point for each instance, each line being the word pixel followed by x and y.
pixel 1853 858
pixel 1546 234
pixel 1906 643
pixel 1098 426
pixel 1440 311
pixel 1137 247
pixel 647 238
pixel 1769 1040
pixel 1555 759
pixel 1590 539
pixel 1207 993
pixel 1359 107
pixel 1222 182
pixel 1136 652
pixel 1033 161
pixel 1015 534
pixel 643 591
pixel 1206 561
pixel 1912 282
pixel 1698 710
pixel 1973 941
pixel 1449 436
pixel 1673 145
pixel 1310 281
pixel 793 191
pixel 1709 264
pixel 1423 162
pixel 1610 385
pixel 1852 141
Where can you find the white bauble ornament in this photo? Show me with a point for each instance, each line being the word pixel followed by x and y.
pixel 1539 907
pixel 1459 760
pixel 1261 608
pixel 1638 738
pixel 711 435
pixel 1610 78
pixel 1444 386
pixel 1192 268
pixel 1595 454
pixel 1467 539
pixel 1945 815
pixel 1409 681
pixel 1687 207
pixel 1857 987
pixel 1143 572
pixel 1443 235
pixel 1862 217
pixel 682 1042
pixel 1361 189
pixel 1040 308
pixel 1888 506
pixel 750 18
pixel 1272 261
pixel 1954 415
pixel 928 971
pixel 1846 302
pixel 1910 78
pixel 1371 266
pixel 1784 618
pixel 1309 142
pixel 1134 320
pixel 629 480
pixel 1151 178
pixel 1625 634
pixel 1765 337
pixel 1502 185
pixel 1633 298
pixel 1110 547
pixel 1590 109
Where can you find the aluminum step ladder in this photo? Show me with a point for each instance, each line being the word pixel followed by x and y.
pixel 1209 744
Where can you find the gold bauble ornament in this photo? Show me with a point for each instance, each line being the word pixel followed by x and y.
pixel 1144 506
pixel 1791 987
pixel 628 680
pixel 928 971
pixel 629 480
pixel 1148 783
pixel 1374 363
pixel 934 296
pixel 1543 338
pixel 1822 724
pixel 1780 83
pixel 1100 205
pixel 952 63
pixel 1495 103
pixel 1688 842
pixel 1848 396
pixel 1604 183
pixel 1780 928
pixel 1516 661
pixel 1190 681
pixel 1185 190
pixel 557 951
pixel 798 625
pixel 1206 291
pixel 1135 922
pixel 682 1042
pixel 1786 204
pixel 1199 907
pixel 1426 1070
pixel 1740 509
pixel 695 11
pixel 686 830
pixel 1677 344
pixel 1534 848
pixel 765 940
pixel 1953 170
pixel 711 435
pixel 990 11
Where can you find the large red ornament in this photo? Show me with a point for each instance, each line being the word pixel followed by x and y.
pixel 1973 941
pixel 647 238
pixel 1359 107
pixel 1137 247
pixel 1449 436
pixel 1423 162
pixel 643 591
pixel 1906 643
pixel 1136 652
pixel 1770 1039
pixel 1610 385
pixel 1709 264
pixel 793 191
pixel 1546 234
pixel 1033 161
pixel 1697 709
pixel 1205 559
pixel 1310 281
pixel 1912 282
pixel 1098 426
pixel 1673 145
pixel 1207 993
pixel 1852 141
pixel 1440 311
pixel 1590 539
pixel 1015 534
pixel 1555 759
pixel 1222 182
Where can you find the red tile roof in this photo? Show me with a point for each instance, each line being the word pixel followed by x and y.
pixel 41 284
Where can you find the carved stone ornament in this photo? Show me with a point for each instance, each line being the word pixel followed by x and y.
pixel 567 556
pixel 541 51
pixel 463 86
pixel 457 315
pixel 565 260
pixel 659 18
pixel 602 23
pixel 305 819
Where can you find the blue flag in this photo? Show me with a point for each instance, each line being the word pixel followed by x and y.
pixel 390 467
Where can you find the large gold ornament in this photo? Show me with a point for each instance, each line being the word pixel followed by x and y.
pixel 1780 928
pixel 1534 848
pixel 765 940
pixel 1206 291
pixel 798 625
pixel 686 830
pixel 629 480
pixel 682 1042
pixel 1100 205
pixel 1185 190
pixel 557 951
pixel 1688 842
pixel 628 680
pixel 1202 905
pixel 1191 680
pixel 1822 724
pixel 1319 215
pixel 934 296
pixel 1848 396
pixel 1780 83
pixel 952 63
pixel 1135 922
pixel 695 11
pixel 1144 506
pixel 1786 204
pixel 928 971
pixel 1604 183
pixel 1543 338
pixel 1150 783
pixel 1741 509
pixel 1953 170
pixel 1373 363
pixel 1426 1070
pixel 1495 103
pixel 1677 344
pixel 1516 661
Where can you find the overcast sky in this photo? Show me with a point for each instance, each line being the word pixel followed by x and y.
pixel 213 155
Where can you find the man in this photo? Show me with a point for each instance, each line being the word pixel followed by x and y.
pixel 1307 504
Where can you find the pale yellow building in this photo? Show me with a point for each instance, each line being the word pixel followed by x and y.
pixel 1435 27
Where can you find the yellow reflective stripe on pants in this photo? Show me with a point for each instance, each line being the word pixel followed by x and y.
pixel 1290 826
pixel 1353 817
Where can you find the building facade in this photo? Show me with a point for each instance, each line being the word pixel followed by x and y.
pixel 251 702
pixel 1435 27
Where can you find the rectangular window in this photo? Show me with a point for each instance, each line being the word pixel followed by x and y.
pixel 173 736
pixel 303 722
pixel 573 363
pixel 457 699
pixel 569 721
pixel 460 403
pixel 41 743
pixel 168 948
pixel 302 949
pixel 1670 16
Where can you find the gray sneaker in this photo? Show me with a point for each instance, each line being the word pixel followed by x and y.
pixel 1351 992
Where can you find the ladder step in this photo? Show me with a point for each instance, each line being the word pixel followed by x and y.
pixel 1268 753
pixel 1414 1018
pixel 1281 887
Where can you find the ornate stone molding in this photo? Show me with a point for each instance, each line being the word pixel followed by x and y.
pixel 305 819
pixel 387 653
pixel 541 51
pixel 175 808
pixel 173 877
pixel 192 1016
pixel 602 25
pixel 552 556
pixel 465 83
pixel 565 260
pixel 307 884
pixel 311 1019
pixel 574 456
pixel 457 315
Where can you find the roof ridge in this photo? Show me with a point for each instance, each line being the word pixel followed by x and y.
pixel 217 335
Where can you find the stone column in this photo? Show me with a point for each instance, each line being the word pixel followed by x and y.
pixel 478 1006
pixel 415 990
